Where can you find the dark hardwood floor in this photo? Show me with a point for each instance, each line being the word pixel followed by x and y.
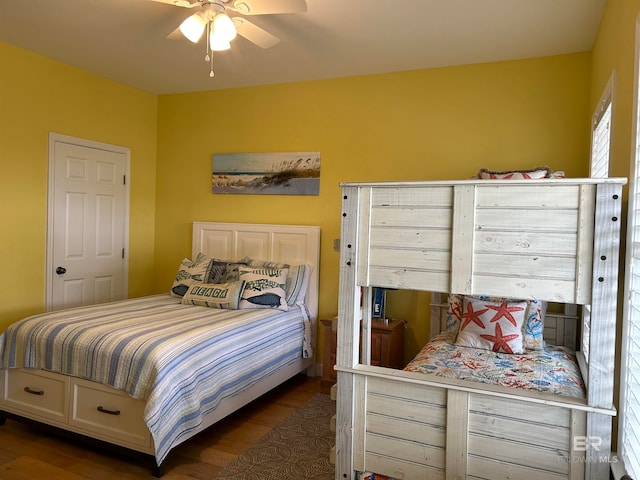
pixel 32 452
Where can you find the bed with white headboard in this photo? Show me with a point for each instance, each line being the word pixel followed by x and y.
pixel 122 409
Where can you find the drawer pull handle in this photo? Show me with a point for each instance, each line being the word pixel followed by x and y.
pixel 33 392
pixel 110 412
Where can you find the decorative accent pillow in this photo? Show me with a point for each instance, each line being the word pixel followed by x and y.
pixel 297 278
pixel 532 329
pixel 223 271
pixel 454 313
pixel 215 295
pixel 264 287
pixel 190 272
pixel 534 173
pixel 495 326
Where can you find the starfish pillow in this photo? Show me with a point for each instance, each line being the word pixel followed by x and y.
pixel 495 326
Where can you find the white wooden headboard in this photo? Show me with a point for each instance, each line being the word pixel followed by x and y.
pixel 293 244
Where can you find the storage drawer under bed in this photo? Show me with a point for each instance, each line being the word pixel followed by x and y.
pixel 76 404
pixel 100 409
pixel 41 394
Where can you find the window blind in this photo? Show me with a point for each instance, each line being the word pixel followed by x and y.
pixel 600 143
pixel 629 404
pixel 629 423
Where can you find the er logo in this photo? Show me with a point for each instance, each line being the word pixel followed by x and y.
pixel 581 443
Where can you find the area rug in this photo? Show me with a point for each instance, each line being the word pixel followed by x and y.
pixel 295 449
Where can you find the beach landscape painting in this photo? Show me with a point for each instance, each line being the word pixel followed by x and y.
pixel 281 173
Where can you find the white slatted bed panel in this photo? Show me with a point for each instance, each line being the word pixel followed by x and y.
pixel 409 241
pixel 555 240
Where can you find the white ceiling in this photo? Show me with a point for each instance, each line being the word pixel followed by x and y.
pixel 125 40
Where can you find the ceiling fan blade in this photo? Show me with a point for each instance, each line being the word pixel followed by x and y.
pixel 180 3
pixel 265 7
pixel 254 34
pixel 175 35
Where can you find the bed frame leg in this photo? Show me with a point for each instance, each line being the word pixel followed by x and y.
pixel 3 418
pixel 157 470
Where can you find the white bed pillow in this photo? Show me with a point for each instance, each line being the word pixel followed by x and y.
pixel 264 287
pixel 190 272
pixel 215 295
pixel 495 326
pixel 308 270
pixel 297 278
pixel 530 174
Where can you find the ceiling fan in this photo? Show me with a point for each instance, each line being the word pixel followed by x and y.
pixel 220 28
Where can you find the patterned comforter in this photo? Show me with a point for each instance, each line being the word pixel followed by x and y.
pixel 182 360
pixel 552 370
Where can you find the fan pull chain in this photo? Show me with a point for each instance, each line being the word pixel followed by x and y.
pixel 206 52
pixel 207 57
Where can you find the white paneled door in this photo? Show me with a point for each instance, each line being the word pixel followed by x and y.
pixel 87 225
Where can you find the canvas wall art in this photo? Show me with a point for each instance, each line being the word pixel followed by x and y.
pixel 282 173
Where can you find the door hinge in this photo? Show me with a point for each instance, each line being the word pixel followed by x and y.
pixel 123 253
pixel 124 179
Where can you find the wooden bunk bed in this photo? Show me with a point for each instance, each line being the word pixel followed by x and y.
pixel 554 240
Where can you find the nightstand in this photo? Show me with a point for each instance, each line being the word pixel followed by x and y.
pixel 387 346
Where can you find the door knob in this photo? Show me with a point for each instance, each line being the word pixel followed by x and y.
pixel 61 270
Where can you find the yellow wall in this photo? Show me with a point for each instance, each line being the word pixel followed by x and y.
pixel 429 124
pixel 614 50
pixel 38 96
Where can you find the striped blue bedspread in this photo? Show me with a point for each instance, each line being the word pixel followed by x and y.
pixel 182 360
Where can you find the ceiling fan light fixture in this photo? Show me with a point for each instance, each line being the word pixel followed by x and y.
pixel 223 27
pixel 193 27
pixel 219 29
pixel 217 43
